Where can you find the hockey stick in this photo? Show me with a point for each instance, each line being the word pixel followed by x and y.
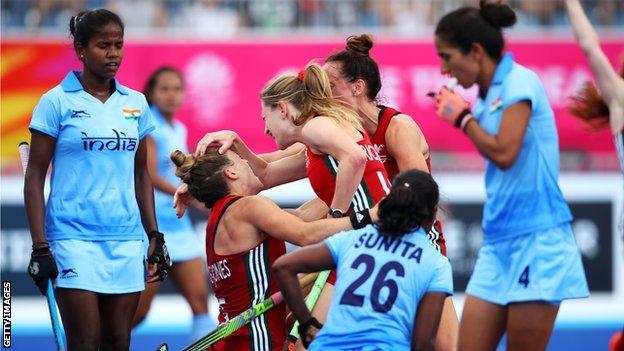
pixel 57 329
pixel 226 329
pixel 310 301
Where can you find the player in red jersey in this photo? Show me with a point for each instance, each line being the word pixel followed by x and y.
pixel 342 165
pixel 245 234
pixel 355 79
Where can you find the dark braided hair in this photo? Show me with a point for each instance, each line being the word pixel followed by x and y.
pixel 411 203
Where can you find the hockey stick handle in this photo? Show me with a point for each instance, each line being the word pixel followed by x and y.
pixel 232 325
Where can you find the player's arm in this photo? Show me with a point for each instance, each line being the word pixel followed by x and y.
pixel 144 190
pixel 610 84
pixel 427 320
pixel 279 154
pixel 503 148
pixel 404 141
pixel 159 182
pixel 41 151
pixel 314 258
pixel 311 210
pixel 265 215
pixel 282 171
pixel 327 137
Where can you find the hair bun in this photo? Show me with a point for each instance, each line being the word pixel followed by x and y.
pixel 497 14
pixel 361 44
pixel 178 158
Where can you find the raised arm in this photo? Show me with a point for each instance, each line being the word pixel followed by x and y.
pixel 284 170
pixel 404 141
pixel 327 137
pixel 279 154
pixel 610 84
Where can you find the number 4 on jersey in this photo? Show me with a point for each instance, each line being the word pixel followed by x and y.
pixel 524 277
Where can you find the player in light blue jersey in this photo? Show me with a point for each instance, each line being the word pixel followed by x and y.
pixel 529 261
pixel 90 235
pixel 391 282
pixel 164 92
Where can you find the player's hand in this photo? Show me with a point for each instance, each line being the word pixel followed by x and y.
pixel 182 199
pixel 308 331
pixel 42 267
pixel 450 106
pixel 224 138
pixel 158 259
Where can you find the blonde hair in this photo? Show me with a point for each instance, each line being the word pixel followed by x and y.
pixel 203 174
pixel 311 95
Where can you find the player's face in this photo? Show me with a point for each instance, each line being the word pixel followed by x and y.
pixel 245 173
pixel 456 64
pixel 341 88
pixel 168 93
pixel 277 124
pixel 103 54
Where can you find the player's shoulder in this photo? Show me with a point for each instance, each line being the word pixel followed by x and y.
pixel 520 74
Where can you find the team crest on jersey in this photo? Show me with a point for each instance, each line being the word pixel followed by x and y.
pixel 496 105
pixel 131 114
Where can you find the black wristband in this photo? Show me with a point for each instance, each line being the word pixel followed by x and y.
pixel 461 117
pixel 305 326
pixel 360 219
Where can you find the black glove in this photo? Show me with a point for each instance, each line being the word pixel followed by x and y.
pixel 304 328
pixel 42 267
pixel 160 255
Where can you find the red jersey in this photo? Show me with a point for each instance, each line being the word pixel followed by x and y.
pixel 240 281
pixel 436 237
pixel 379 141
pixel 373 187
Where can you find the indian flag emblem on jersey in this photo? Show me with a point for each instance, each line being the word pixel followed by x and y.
pixel 496 105
pixel 131 114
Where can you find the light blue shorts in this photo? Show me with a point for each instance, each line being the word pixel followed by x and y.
pixel 107 267
pixel 183 245
pixel 541 266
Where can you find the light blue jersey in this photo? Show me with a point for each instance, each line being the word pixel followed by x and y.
pixel 381 280
pixel 168 137
pixel 526 197
pixel 92 184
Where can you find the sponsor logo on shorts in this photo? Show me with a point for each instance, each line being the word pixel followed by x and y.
pixel 68 273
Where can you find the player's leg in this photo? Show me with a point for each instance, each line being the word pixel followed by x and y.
pixel 530 324
pixel 116 314
pixel 190 279
pixel 145 302
pixel 482 325
pixel 81 318
pixel 448 330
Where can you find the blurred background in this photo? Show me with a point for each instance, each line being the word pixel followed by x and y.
pixel 228 49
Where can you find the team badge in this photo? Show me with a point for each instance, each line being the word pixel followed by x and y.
pixel 131 114
pixel 496 105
